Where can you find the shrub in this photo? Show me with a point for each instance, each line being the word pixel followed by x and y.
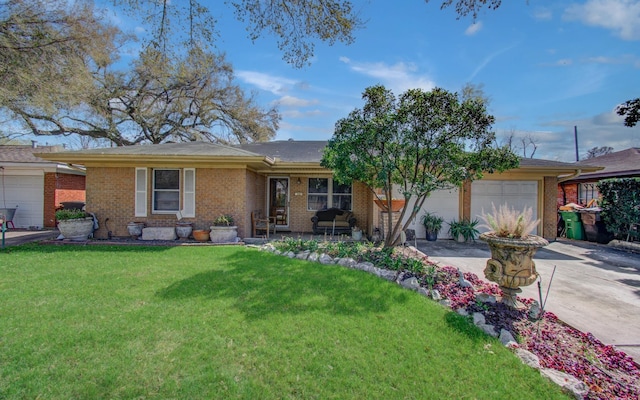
pixel 620 202
pixel 465 228
pixel 63 215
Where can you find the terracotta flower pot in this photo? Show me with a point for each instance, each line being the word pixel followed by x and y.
pixel 201 235
pixel 396 204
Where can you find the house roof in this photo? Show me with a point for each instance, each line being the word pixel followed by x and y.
pixel 289 150
pixel 24 154
pixel 24 157
pixel 188 153
pixel 283 156
pixel 624 163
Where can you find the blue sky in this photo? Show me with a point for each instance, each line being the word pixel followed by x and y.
pixel 546 66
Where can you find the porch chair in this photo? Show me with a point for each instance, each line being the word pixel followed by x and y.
pixel 258 223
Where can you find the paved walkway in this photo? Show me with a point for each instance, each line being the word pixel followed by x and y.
pixel 14 237
pixel 595 288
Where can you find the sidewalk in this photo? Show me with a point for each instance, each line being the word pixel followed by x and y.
pixel 14 237
pixel 595 288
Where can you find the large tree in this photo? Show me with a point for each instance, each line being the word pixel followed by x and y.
pixel 421 141
pixel 296 24
pixel 160 99
pixel 630 109
pixel 598 151
pixel 48 50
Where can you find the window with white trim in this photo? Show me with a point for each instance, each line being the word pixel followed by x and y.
pixel 325 193
pixel 166 190
pixel 172 190
pixel 587 192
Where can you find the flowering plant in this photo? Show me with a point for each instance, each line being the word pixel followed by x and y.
pixel 508 223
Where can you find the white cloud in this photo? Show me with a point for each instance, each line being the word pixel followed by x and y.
pixel 542 14
pixel 290 101
pixel 398 77
pixel 274 84
pixel 301 114
pixel 473 28
pixel 487 60
pixel 604 129
pixel 620 16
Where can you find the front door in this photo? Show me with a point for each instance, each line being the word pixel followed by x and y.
pixel 279 201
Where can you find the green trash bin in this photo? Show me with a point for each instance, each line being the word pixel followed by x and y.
pixel 573 225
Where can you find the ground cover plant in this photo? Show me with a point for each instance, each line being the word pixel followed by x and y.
pixel 230 322
pixel 608 373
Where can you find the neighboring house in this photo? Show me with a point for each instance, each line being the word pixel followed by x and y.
pixel 36 186
pixel 282 179
pixel 582 188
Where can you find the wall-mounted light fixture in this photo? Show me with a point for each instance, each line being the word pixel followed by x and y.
pixel 298 181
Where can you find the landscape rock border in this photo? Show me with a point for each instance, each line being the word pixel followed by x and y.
pixel 569 384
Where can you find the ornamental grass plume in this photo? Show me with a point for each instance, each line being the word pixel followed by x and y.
pixel 510 223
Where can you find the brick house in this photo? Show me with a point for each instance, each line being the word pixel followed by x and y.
pixel 37 186
pixel 582 188
pixel 282 179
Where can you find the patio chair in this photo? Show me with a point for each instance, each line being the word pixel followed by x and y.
pixel 258 223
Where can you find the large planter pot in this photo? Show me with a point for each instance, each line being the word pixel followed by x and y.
pixel 224 234
pixel 183 230
pixel 511 265
pixel 135 229
pixel 201 235
pixel 76 229
pixel 356 235
pixel 431 236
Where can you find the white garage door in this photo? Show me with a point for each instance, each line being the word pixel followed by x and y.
pixel 27 193
pixel 444 203
pixel 517 194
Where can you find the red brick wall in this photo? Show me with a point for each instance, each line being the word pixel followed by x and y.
pixel 59 188
pixel 570 193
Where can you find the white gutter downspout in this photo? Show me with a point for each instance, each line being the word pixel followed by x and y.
pixel 572 176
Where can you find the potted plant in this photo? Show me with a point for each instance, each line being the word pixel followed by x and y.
pixel 183 229
pixel 74 224
pixel 432 224
pixel 463 230
pixel 135 229
pixel 223 229
pixel 512 248
pixel 201 235
pixel 356 233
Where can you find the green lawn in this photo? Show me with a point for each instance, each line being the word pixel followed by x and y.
pixel 231 322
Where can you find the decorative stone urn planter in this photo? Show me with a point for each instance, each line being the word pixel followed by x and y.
pixel 511 265
pixel 224 234
pixel 201 235
pixel 183 230
pixel 76 229
pixel 356 235
pixel 135 229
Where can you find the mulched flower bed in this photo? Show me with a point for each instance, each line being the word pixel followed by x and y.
pixel 609 373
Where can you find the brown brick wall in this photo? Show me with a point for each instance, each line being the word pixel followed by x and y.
pixel 59 188
pixel 300 218
pixel 110 194
pixel 466 200
pixel 549 210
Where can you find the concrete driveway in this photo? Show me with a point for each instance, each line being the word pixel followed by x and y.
pixel 595 288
